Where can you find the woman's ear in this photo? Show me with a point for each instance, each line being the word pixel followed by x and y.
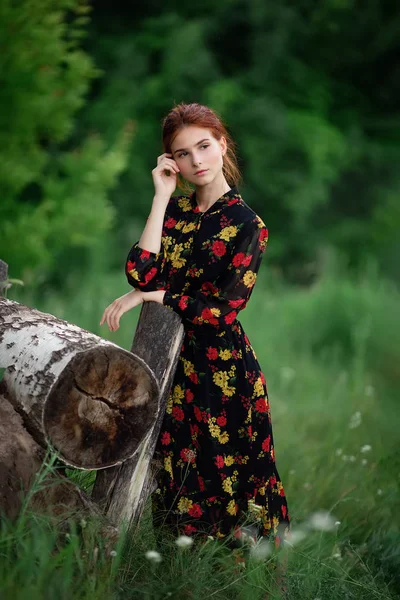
pixel 223 144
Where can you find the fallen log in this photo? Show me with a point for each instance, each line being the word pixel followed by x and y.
pixel 122 491
pixel 21 460
pixel 92 400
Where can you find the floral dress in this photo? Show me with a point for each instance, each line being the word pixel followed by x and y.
pixel 215 442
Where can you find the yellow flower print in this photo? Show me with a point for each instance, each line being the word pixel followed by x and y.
pixel 169 405
pixel 261 490
pixel 232 507
pixel 258 388
pixel 215 430
pixel 216 312
pixel 188 367
pixel 229 460
pixel 228 232
pixel 223 438
pixel 249 278
pixel 225 354
pixel 188 227
pixel 227 486
pixel 134 274
pixel 275 523
pixel 176 258
pixel 220 378
pixel 168 465
pixel 184 204
pixel 184 504
pixel 178 394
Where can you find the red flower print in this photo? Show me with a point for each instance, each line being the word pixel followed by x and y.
pixel 188 529
pixel 201 483
pixel 195 510
pixel 249 431
pixel 266 444
pixel 238 259
pixel 170 223
pixel 178 413
pixel 219 461
pixel 183 302
pixel 284 511
pixel 150 274
pixel 145 254
pixel 261 405
pixel 236 303
pixel 212 353
pixel 281 492
pixel 230 317
pixel 219 248
pixel 189 396
pixel 188 455
pixel 272 480
pixel 209 287
pixel 130 265
pixel 221 421
pixel 197 414
pixel 194 378
pixel 165 438
pixel 263 234
pixel 246 261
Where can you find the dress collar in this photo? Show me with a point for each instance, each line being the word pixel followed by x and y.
pixel 229 197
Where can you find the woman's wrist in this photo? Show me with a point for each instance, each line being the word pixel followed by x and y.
pixel 156 296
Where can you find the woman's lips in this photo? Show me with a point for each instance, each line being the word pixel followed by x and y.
pixel 201 172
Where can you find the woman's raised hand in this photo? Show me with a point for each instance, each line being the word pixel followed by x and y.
pixel 165 175
pixel 116 309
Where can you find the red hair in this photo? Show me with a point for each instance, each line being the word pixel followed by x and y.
pixel 183 115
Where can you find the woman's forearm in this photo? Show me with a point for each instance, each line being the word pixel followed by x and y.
pixel 156 296
pixel 151 237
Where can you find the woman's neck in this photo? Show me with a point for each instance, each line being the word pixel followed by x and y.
pixel 206 195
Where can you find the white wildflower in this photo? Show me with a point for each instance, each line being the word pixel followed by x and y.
pixel 338 451
pixel 113 553
pixel 307 485
pixel 369 390
pixel 355 420
pixel 296 536
pixel 365 448
pixel 379 492
pixel 352 458
pixel 184 541
pixel 261 550
pixel 292 471
pixel 364 462
pixel 153 556
pixel 322 520
pixel 337 523
pixel 345 457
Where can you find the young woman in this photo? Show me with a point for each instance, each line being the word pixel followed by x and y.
pixel 199 255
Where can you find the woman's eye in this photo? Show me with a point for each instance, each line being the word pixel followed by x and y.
pixel 181 154
pixel 204 146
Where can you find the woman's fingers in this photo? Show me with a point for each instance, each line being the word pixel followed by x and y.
pixel 166 163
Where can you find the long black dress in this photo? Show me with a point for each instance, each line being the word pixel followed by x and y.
pixel 216 438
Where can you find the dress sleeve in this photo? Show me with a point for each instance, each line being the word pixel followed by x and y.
pixel 145 270
pixel 217 304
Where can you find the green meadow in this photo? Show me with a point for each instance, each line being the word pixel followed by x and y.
pixel 329 353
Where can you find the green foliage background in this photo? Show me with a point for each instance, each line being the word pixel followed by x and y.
pixel 310 93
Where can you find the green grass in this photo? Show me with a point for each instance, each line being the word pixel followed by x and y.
pixel 330 355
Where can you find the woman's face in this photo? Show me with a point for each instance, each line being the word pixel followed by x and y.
pixel 198 154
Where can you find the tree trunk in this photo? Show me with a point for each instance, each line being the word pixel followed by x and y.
pixel 92 400
pixel 122 491
pixel 21 459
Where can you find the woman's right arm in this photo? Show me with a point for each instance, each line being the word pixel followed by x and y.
pixel 144 266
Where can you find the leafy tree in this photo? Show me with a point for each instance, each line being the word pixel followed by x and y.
pixel 54 193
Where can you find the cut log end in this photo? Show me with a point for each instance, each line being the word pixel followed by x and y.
pixel 100 408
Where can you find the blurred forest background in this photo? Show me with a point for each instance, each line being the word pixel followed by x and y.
pixel 310 92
